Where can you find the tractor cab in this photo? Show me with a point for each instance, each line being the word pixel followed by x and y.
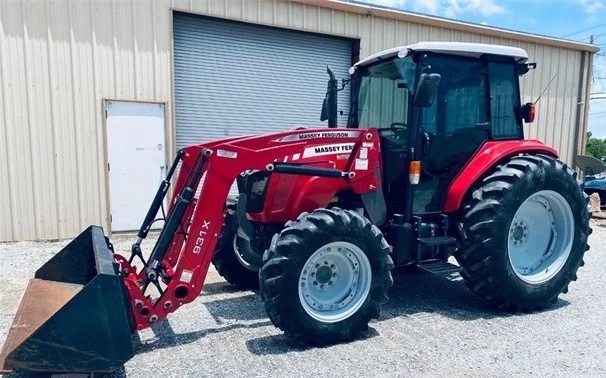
pixel 436 104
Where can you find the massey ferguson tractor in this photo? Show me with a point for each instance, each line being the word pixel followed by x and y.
pixel 431 164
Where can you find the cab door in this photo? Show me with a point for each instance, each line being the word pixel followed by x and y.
pixel 452 129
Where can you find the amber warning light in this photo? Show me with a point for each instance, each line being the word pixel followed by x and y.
pixel 414 172
pixel 529 112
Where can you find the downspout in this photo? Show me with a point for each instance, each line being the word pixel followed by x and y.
pixel 583 99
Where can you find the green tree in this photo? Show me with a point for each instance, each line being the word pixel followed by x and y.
pixel 595 147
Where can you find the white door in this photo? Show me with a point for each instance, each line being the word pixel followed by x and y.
pixel 137 160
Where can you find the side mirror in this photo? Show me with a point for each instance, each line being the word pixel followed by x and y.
pixel 427 89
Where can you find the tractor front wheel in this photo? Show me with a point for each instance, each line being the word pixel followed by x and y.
pixel 524 232
pixel 228 258
pixel 325 276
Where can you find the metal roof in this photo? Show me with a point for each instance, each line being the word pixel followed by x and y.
pixel 456 48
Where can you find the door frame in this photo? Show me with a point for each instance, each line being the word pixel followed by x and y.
pixel 107 203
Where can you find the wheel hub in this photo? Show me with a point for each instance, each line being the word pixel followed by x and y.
pixel 335 282
pixel 518 232
pixel 324 274
pixel 537 251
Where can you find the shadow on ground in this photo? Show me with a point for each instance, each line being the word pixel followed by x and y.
pixel 412 293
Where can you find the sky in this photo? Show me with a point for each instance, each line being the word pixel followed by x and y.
pixel 575 20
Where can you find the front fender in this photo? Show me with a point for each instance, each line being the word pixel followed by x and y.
pixel 485 159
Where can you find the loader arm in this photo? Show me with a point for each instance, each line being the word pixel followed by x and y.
pixel 179 262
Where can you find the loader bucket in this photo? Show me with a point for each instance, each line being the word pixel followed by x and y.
pixel 74 315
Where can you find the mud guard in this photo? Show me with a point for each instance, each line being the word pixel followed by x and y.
pixel 374 202
pixel 486 158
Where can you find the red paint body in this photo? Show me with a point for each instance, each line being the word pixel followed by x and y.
pixel 485 159
pixel 187 261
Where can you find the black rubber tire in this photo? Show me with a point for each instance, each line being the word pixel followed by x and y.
pixel 486 218
pixel 225 260
pixel 286 257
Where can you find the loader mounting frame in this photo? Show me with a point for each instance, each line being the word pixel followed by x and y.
pixel 182 254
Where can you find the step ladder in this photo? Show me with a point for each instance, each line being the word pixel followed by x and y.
pixel 441 269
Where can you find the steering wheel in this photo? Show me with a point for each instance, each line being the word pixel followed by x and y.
pixel 398 126
pixel 400 132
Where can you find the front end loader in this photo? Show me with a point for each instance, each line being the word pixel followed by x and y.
pixel 432 164
pixel 78 313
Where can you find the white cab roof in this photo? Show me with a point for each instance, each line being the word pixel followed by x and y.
pixel 456 48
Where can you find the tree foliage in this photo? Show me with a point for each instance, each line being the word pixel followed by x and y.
pixel 595 147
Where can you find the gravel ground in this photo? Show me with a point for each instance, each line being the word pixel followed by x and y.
pixel 430 327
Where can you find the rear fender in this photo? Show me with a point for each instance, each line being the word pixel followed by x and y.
pixel 484 160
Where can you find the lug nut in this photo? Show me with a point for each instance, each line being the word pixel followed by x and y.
pixel 153 318
pixel 168 304
pixel 138 303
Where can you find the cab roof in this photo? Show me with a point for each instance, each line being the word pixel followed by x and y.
pixel 454 48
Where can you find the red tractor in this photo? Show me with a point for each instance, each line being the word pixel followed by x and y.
pixel 431 164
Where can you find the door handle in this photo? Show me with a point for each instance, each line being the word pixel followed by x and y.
pixel 425 146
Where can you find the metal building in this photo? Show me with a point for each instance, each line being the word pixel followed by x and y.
pixel 91 89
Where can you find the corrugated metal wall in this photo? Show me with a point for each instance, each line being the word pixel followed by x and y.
pixel 60 59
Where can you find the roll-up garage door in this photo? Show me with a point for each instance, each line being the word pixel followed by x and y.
pixel 235 78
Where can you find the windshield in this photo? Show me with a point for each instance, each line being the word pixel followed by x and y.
pixel 383 94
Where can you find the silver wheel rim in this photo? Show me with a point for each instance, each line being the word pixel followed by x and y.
pixel 335 282
pixel 540 237
pixel 239 256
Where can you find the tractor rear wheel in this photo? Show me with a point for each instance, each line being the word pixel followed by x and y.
pixel 228 258
pixel 524 232
pixel 325 276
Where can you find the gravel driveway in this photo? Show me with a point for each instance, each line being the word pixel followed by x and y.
pixel 431 327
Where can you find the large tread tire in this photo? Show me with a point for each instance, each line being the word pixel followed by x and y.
pixel 487 215
pixel 287 257
pixel 225 260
